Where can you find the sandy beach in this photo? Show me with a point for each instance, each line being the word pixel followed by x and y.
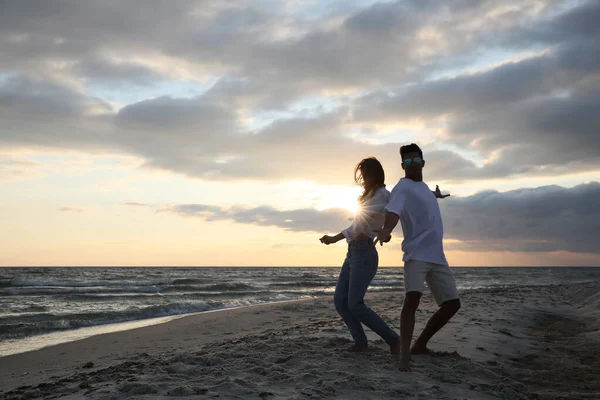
pixel 513 343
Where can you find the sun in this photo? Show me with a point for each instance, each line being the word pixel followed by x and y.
pixel 352 206
pixel 342 200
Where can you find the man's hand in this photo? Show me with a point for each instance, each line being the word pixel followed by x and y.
pixel 438 194
pixel 327 239
pixel 383 236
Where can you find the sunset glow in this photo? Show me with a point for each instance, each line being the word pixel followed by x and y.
pixel 227 133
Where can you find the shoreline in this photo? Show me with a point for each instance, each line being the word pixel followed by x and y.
pixel 36 342
pixel 492 349
pixel 40 341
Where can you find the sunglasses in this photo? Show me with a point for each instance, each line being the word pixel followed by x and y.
pixel 408 161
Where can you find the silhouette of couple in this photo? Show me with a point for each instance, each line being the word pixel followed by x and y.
pixel 413 204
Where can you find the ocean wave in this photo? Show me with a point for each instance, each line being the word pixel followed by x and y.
pixel 25 325
pixel 57 290
pixel 34 308
pixel 502 286
pixel 107 283
pixel 310 275
pixel 216 287
pixel 228 286
pixel 16 326
pixel 188 281
pixel 32 287
pixel 70 298
pixel 168 293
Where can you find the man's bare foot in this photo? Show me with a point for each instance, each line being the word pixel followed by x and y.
pixel 359 348
pixel 418 349
pixel 396 347
pixel 404 364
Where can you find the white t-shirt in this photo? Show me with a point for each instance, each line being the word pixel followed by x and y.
pixel 421 221
pixel 370 216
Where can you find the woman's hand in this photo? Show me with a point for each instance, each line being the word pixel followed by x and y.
pixel 326 239
pixel 383 236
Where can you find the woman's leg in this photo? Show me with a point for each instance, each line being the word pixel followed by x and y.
pixel 340 299
pixel 363 267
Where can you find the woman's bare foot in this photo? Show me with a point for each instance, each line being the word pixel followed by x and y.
pixel 419 349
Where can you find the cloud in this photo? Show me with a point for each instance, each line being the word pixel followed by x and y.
pixel 292 91
pixel 198 137
pixel 534 116
pixel 71 209
pixel 106 71
pixel 132 204
pixel 580 22
pixel 543 219
pixel 16 169
pixel 300 220
pixel 280 47
pixel 548 218
pixel 184 115
pixel 42 113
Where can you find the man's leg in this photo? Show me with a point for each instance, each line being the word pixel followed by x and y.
pixel 441 283
pixel 415 272
pixel 407 326
pixel 435 323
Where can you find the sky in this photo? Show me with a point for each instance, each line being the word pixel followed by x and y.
pixel 225 133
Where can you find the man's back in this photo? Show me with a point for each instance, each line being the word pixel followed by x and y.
pixel 421 221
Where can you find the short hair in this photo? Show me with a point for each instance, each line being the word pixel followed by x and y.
pixel 410 148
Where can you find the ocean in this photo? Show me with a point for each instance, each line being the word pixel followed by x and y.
pixel 37 301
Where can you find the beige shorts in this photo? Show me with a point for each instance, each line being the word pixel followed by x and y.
pixel 439 279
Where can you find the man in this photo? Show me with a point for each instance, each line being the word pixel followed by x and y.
pixel 416 207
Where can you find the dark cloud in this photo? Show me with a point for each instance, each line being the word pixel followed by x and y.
pixel 563 129
pixel 292 89
pixel 39 99
pixel 261 41
pixel 302 220
pixel 534 116
pixel 123 74
pixel 549 218
pixel 267 58
pixel 182 115
pixel 579 23
pixel 44 113
pixel 463 94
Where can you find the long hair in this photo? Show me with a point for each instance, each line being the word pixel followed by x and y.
pixel 369 175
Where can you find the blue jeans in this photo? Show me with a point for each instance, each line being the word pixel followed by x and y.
pixel 358 271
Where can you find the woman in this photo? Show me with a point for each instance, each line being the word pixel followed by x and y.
pixel 362 259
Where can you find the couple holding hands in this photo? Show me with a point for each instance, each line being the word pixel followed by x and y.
pixel 415 206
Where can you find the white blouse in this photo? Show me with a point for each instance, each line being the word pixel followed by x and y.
pixel 370 216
